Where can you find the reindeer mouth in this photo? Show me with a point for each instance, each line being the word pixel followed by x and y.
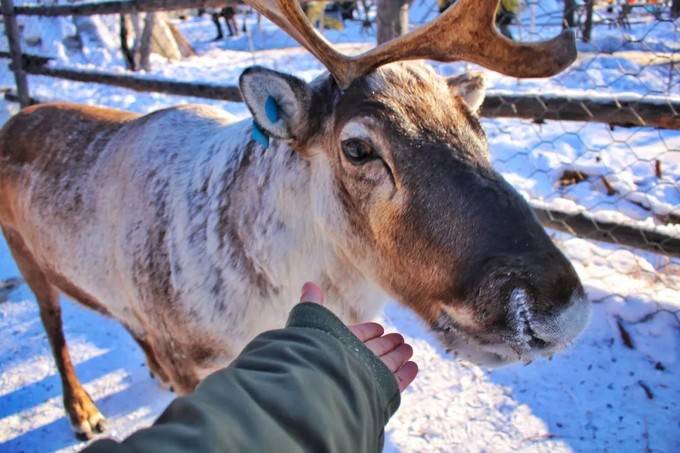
pixel 524 338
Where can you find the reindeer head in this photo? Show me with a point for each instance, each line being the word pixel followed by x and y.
pixel 403 185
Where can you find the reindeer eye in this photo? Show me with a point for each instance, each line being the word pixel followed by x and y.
pixel 357 151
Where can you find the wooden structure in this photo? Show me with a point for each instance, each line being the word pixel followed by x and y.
pixel 615 111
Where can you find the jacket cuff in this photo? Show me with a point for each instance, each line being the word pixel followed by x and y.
pixel 315 316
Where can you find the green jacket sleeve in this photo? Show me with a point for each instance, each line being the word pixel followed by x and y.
pixel 311 387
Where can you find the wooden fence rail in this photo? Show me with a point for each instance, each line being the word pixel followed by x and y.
pixel 139 83
pixel 615 111
pixel 117 7
pixel 587 227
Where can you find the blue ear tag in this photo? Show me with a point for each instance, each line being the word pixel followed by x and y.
pixel 259 136
pixel 271 109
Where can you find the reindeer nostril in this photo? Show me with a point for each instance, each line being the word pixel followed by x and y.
pixel 537 343
pixel 534 341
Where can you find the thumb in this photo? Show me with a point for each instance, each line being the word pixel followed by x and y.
pixel 311 293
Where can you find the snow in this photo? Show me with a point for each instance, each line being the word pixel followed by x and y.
pixel 604 393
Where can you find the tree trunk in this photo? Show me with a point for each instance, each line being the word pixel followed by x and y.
pixel 151 33
pixel 588 27
pixel 145 41
pixel 183 44
pixel 569 14
pixel 125 43
pixel 675 9
pixel 392 19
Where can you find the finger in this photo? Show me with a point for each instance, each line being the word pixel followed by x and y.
pixel 312 293
pixel 367 331
pixel 383 345
pixel 397 357
pixel 406 374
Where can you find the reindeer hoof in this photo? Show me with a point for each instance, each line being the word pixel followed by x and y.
pixel 87 429
pixel 86 419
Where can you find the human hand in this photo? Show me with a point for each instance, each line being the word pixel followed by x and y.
pixel 390 348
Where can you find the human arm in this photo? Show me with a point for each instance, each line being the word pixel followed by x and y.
pixel 313 386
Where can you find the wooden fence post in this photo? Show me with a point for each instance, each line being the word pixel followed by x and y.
pixel 14 41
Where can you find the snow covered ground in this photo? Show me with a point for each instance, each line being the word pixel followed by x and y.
pixel 616 389
pixel 593 397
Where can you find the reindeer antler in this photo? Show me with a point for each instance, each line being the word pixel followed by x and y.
pixel 465 31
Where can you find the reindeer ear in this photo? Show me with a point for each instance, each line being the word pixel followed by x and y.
pixel 279 102
pixel 471 87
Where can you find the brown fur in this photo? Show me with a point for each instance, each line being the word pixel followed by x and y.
pixel 70 134
pixel 63 127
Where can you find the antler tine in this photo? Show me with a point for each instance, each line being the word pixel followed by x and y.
pixel 465 31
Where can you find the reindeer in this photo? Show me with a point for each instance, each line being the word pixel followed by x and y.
pixel 377 185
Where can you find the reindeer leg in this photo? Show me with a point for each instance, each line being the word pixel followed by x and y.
pixel 85 417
